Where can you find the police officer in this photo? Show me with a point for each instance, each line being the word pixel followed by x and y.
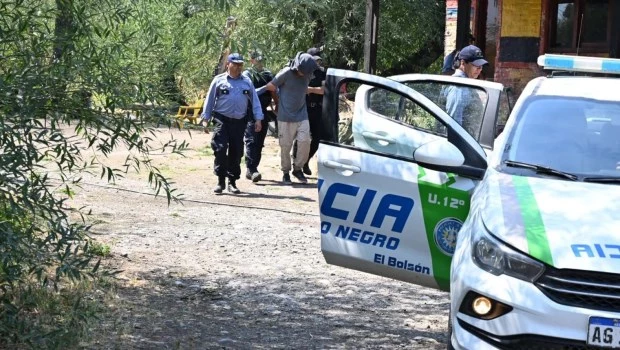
pixel 255 141
pixel 227 103
pixel 464 104
pixel 314 102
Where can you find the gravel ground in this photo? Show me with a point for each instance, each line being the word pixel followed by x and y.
pixel 240 271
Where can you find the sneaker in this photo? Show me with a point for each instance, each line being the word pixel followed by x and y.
pixel 286 178
pixel 307 170
pixel 232 187
pixel 299 175
pixel 256 176
pixel 248 174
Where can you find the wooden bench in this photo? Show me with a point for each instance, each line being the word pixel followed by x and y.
pixel 191 112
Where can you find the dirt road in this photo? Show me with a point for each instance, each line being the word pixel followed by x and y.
pixel 240 271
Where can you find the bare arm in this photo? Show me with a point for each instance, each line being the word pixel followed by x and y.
pixel 269 87
pixel 316 90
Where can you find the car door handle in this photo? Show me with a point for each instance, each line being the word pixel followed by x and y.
pixel 378 137
pixel 340 166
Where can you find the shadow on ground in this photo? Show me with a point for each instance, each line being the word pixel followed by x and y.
pixel 283 312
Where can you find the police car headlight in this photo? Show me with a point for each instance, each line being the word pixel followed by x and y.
pixel 495 257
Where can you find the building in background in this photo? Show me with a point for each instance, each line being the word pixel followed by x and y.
pixel 513 33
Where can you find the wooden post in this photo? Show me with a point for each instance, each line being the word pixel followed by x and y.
pixel 462 23
pixel 371 30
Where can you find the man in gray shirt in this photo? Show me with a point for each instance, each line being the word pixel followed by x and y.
pixel 292 85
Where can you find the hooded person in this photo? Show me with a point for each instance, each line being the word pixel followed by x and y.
pixel 291 83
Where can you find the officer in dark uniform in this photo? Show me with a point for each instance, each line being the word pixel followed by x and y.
pixel 227 102
pixel 255 141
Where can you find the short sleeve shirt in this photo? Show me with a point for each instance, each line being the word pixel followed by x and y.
pixel 292 90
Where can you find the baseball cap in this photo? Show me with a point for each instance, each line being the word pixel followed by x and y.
pixel 256 56
pixel 472 54
pixel 235 58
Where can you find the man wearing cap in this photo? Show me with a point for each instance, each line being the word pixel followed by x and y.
pixel 462 104
pixel 292 85
pixel 449 61
pixel 227 103
pixel 255 141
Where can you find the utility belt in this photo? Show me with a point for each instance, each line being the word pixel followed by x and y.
pixel 224 119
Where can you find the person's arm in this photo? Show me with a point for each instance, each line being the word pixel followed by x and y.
pixel 275 97
pixel 455 104
pixel 318 90
pixel 274 84
pixel 269 87
pixel 257 111
pixel 209 103
pixel 256 107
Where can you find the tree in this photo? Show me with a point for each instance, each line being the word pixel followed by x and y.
pixel 77 80
pixel 411 32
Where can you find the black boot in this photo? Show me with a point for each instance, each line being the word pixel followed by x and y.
pixel 232 187
pixel 221 183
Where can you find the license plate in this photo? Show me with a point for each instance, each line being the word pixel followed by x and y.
pixel 604 332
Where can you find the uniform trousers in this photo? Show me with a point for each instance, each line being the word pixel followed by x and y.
pixel 227 145
pixel 315 112
pixel 254 143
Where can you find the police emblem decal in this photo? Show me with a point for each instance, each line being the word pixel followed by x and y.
pixel 445 234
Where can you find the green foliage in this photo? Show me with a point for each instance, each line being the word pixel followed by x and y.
pixel 43 318
pixel 411 32
pixel 78 79
pixel 99 249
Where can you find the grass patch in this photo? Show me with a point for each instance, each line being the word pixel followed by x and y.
pixel 69 192
pixel 99 249
pixel 40 317
pixel 205 151
pixel 166 170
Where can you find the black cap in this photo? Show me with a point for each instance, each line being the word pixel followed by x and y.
pixel 472 54
pixel 256 56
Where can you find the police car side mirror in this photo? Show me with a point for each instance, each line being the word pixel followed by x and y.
pixel 439 152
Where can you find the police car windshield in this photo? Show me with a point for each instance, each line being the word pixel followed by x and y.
pixel 570 134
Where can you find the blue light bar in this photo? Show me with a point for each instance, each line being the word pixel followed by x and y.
pixel 580 64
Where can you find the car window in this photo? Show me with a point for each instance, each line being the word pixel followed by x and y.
pixel 576 135
pixel 384 121
pixel 401 109
pixel 464 104
pixel 505 107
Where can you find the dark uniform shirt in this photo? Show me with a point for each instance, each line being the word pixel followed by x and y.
pixel 315 100
pixel 260 79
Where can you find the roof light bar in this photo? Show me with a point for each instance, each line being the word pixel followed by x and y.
pixel 580 64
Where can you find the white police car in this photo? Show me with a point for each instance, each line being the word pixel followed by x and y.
pixel 524 231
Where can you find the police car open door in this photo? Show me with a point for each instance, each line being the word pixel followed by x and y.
pixel 396 173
